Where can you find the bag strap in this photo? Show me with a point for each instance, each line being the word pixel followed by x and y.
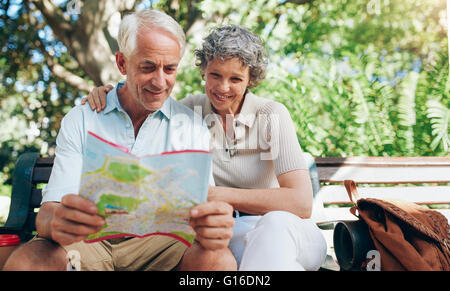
pixel 353 195
pixel 352 192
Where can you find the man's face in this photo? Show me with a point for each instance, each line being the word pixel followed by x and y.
pixel 151 69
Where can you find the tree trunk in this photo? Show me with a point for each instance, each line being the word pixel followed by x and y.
pixel 89 40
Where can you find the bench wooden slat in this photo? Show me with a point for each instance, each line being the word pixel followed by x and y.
pixel 340 213
pixel 336 194
pixel 343 213
pixel 386 175
pixel 382 161
pixel 41 175
pixel 44 162
pixel 36 198
pixel 31 221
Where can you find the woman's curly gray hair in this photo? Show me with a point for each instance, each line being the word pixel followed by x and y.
pixel 231 41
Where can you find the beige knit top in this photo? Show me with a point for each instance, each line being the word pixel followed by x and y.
pixel 260 142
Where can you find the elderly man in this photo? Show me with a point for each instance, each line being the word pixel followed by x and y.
pixel 140 116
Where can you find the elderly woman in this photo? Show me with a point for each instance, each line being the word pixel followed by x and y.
pixel 257 161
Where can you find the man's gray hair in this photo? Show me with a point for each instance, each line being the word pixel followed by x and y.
pixel 231 41
pixel 131 23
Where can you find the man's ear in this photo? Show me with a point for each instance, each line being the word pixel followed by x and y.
pixel 121 62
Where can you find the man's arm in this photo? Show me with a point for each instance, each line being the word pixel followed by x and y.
pixel 70 221
pixel 67 218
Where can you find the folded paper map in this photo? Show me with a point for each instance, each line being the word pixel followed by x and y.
pixel 141 196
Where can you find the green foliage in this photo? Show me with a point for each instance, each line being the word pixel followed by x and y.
pixel 363 85
pixel 5 190
pixel 32 100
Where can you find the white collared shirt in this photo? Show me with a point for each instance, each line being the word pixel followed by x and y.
pixel 265 143
pixel 173 127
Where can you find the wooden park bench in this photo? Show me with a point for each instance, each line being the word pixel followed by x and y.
pixel 424 180
pixel 31 172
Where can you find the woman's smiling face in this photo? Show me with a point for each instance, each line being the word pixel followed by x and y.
pixel 226 83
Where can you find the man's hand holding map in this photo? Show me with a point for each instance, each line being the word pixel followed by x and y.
pixel 140 196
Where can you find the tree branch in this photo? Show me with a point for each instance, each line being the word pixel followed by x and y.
pixel 64 74
pixel 67 76
pixel 53 12
pixel 57 69
pixel 298 2
pixel 55 19
pixel 277 15
pixel 192 15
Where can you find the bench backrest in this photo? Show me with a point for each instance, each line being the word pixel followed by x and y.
pixel 31 170
pixel 423 180
pixel 327 176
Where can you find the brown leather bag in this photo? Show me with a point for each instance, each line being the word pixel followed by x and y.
pixel 407 236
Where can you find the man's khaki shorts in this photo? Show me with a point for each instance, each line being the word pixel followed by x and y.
pixel 152 253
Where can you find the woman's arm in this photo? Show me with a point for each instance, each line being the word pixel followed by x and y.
pixel 97 97
pixel 295 195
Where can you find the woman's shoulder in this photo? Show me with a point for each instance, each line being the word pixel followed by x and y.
pixel 194 100
pixel 268 106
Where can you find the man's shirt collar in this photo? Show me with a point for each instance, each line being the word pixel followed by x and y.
pixel 112 102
